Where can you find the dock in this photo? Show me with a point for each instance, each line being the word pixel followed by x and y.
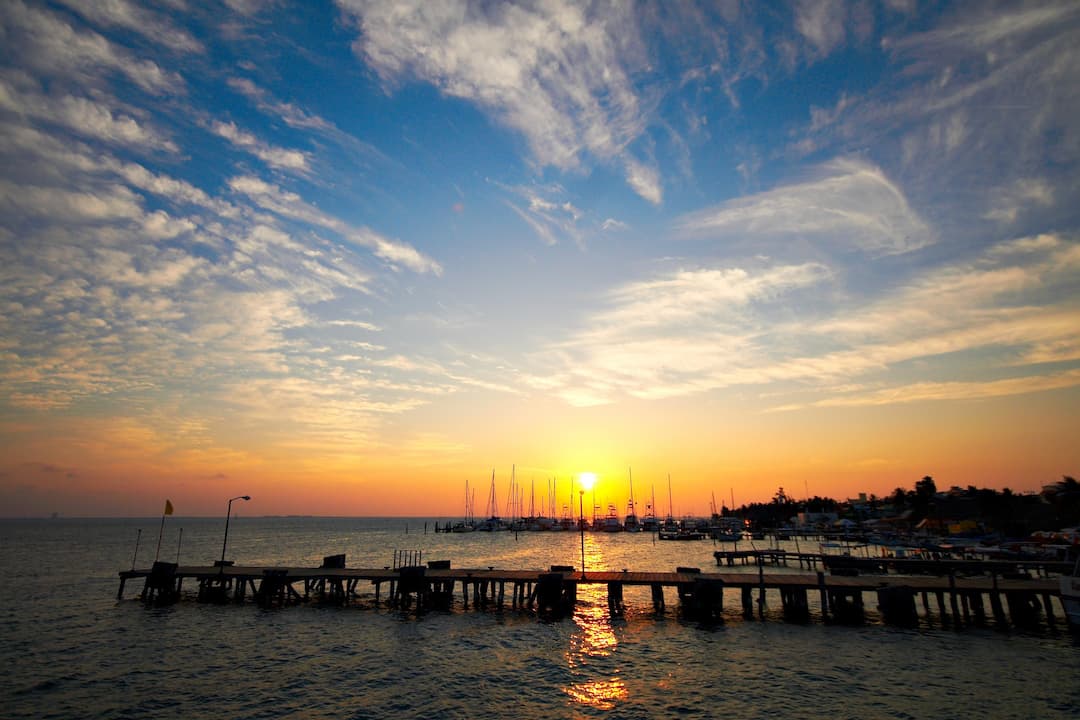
pixel 950 601
pixel 886 564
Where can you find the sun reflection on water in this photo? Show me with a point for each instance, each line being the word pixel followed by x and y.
pixel 597 683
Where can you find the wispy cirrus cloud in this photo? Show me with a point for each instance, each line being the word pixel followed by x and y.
pixel 547 211
pixel 988 94
pixel 291 205
pixel 692 331
pixel 846 203
pixel 554 72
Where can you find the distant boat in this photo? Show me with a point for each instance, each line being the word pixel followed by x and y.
pixel 725 529
pixel 467 525
pixel 649 523
pixel 611 523
pixel 631 524
pixel 494 522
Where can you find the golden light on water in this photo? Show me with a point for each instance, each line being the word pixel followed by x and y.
pixel 594 640
pixel 600 694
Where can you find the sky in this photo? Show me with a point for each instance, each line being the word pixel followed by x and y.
pixel 352 257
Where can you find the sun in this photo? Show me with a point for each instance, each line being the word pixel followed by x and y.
pixel 587 480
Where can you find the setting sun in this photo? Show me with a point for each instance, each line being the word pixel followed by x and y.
pixel 587 480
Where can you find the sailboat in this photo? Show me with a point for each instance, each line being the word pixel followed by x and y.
pixel 467 525
pixel 671 530
pixel 493 522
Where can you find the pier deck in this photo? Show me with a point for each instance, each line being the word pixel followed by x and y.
pixel 959 600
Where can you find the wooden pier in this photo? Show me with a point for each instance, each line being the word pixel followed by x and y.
pixel 886 564
pixel 954 601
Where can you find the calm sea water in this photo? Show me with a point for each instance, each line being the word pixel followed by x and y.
pixel 70 650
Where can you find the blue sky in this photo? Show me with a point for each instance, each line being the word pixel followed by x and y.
pixel 240 231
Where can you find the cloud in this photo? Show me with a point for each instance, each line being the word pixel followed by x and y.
pixel 956 390
pixel 107 203
pixel 86 117
pixel 555 72
pixel 547 212
pixel 679 333
pixel 50 46
pixel 291 205
pixel 847 203
pixel 786 328
pixel 1021 195
pixel 822 23
pixel 129 16
pixel 985 94
pixel 275 157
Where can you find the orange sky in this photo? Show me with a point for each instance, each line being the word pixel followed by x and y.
pixel 114 467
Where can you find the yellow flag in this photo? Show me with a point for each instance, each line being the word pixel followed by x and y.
pixel 168 508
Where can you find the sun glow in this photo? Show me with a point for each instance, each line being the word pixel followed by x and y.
pixel 587 480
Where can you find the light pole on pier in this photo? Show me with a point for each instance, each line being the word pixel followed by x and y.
pixel 228 513
pixel 587 480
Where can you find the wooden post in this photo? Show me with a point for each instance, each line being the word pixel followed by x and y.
pixel 995 605
pixel 952 599
pixel 1048 608
pixel 615 599
pixel 761 589
pixel 824 596
pixel 942 611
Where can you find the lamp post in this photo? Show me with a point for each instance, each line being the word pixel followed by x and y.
pixel 228 513
pixel 587 481
pixel 581 529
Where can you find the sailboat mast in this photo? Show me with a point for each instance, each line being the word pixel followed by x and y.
pixel 670 511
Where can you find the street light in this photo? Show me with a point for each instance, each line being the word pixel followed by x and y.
pixel 587 480
pixel 228 512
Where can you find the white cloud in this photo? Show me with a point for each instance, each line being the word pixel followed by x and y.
pixel 108 203
pixel 822 23
pixel 954 390
pixel 276 157
pixel 1007 203
pixel 547 212
pixel 124 14
pixel 693 331
pixel 50 46
pixel 555 72
pixel 847 203
pixel 290 205
pixel 86 117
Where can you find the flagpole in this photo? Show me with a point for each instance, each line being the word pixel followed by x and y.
pixel 137 537
pixel 160 531
pixel 178 542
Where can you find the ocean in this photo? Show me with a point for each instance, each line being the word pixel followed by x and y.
pixel 70 650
